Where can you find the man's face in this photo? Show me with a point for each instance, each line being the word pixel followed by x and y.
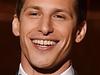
pixel 45 28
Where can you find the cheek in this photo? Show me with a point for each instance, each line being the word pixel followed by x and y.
pixel 65 28
pixel 65 31
pixel 27 26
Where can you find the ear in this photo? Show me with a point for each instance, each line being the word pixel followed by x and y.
pixel 15 26
pixel 81 31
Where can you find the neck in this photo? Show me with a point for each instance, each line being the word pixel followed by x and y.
pixel 31 71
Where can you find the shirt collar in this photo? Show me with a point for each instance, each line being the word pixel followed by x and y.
pixel 69 71
pixel 21 71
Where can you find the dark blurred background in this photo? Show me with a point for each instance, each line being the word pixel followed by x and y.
pixel 86 56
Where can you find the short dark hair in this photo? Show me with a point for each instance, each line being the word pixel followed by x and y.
pixel 80 9
pixel 19 6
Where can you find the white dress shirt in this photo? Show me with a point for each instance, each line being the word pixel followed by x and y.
pixel 69 71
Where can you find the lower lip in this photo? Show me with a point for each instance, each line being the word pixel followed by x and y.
pixel 43 48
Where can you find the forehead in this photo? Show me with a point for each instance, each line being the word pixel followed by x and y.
pixel 50 3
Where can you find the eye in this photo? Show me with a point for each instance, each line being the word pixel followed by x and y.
pixel 59 17
pixel 35 14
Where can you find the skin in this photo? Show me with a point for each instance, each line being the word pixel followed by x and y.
pixel 47 20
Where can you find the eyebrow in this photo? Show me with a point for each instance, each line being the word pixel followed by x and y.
pixel 33 7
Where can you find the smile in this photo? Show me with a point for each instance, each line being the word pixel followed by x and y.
pixel 44 44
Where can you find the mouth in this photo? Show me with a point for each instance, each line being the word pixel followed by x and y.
pixel 44 44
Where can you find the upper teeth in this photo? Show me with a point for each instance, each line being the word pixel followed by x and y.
pixel 44 42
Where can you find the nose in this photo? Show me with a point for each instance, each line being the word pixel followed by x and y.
pixel 46 26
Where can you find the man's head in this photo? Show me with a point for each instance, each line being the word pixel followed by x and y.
pixel 80 9
pixel 47 30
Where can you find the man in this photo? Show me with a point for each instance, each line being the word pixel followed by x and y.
pixel 47 31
